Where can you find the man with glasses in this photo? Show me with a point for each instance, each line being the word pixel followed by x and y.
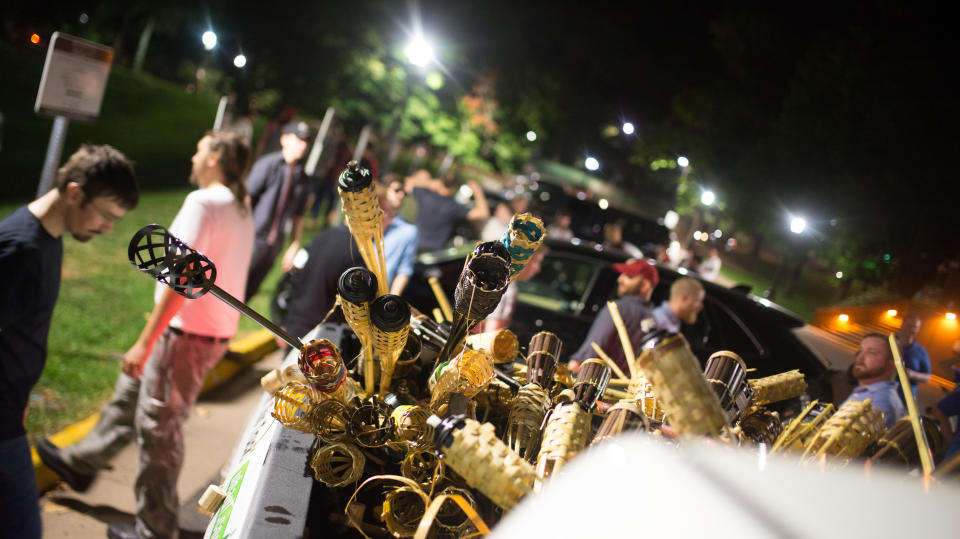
pixel 94 189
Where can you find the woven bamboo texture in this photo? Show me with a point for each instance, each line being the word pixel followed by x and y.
pixel 501 344
pixel 403 507
pixel 523 424
pixel 364 218
pixel 293 406
pixel 488 465
pixel 330 419
pixel 690 404
pixel 798 431
pixel 410 424
pixel 778 387
pixel 422 466
pixel 388 346
pixel 338 464
pixel 566 434
pixel 849 432
pixel 469 373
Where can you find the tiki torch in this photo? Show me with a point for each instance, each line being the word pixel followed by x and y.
pixel 390 316
pixel 356 288
pixel 483 281
pixel 568 430
pixel 532 402
pixel 364 218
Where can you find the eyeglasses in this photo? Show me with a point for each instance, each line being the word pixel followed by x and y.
pixel 107 216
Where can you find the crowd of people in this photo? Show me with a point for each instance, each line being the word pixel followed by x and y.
pixel 241 221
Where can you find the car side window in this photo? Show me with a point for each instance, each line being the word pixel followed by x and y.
pixel 560 285
pixel 718 328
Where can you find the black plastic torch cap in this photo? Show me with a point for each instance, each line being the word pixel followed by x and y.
pixel 390 313
pixel 357 285
pixel 355 178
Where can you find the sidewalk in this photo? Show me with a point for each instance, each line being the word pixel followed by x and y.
pixel 210 436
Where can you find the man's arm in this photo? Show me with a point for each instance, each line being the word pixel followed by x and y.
pixel 407 259
pixel 417 180
pixel 481 210
pixel 922 374
pixel 398 284
pixel 257 181
pixel 164 311
pixel 295 235
pixel 601 332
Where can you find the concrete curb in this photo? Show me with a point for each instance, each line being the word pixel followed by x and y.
pixel 243 352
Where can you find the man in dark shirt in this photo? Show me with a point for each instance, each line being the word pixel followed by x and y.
pixel 278 190
pixel 634 285
pixel 332 252
pixel 94 189
pixel 437 211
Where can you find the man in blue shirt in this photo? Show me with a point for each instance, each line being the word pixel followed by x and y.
pixel 683 307
pixel 915 358
pixel 399 237
pixel 874 370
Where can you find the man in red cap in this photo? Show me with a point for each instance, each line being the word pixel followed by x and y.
pixel 634 285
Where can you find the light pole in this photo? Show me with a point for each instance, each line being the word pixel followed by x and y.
pixel 798 225
pixel 419 53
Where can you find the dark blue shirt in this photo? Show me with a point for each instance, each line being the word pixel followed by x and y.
pixel 30 263
pixel 265 184
pixel 436 215
pixel 915 358
pixel 950 406
pixel 633 310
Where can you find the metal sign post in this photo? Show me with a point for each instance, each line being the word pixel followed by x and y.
pixel 74 79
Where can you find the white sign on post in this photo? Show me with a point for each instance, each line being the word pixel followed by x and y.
pixel 74 78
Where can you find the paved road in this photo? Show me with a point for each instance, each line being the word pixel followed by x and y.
pixel 211 434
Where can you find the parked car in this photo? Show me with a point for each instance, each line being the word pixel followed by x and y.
pixel 576 281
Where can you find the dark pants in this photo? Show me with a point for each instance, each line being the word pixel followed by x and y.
pixel 264 255
pixel 19 507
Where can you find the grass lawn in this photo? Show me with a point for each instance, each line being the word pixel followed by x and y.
pixel 102 307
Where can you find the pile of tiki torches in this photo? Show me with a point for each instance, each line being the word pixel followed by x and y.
pixel 486 421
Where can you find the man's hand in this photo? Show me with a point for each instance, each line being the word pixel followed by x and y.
pixel 135 359
pixel 574 366
pixel 288 256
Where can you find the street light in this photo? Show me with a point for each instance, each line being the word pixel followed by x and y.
pixel 240 60
pixel 419 52
pixel 798 225
pixel 531 136
pixel 591 163
pixel 209 40
pixel 683 161
pixel 707 198
pixel 627 128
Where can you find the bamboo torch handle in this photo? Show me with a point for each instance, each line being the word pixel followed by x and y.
pixel 624 338
pixel 925 461
pixel 441 298
pixel 610 362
